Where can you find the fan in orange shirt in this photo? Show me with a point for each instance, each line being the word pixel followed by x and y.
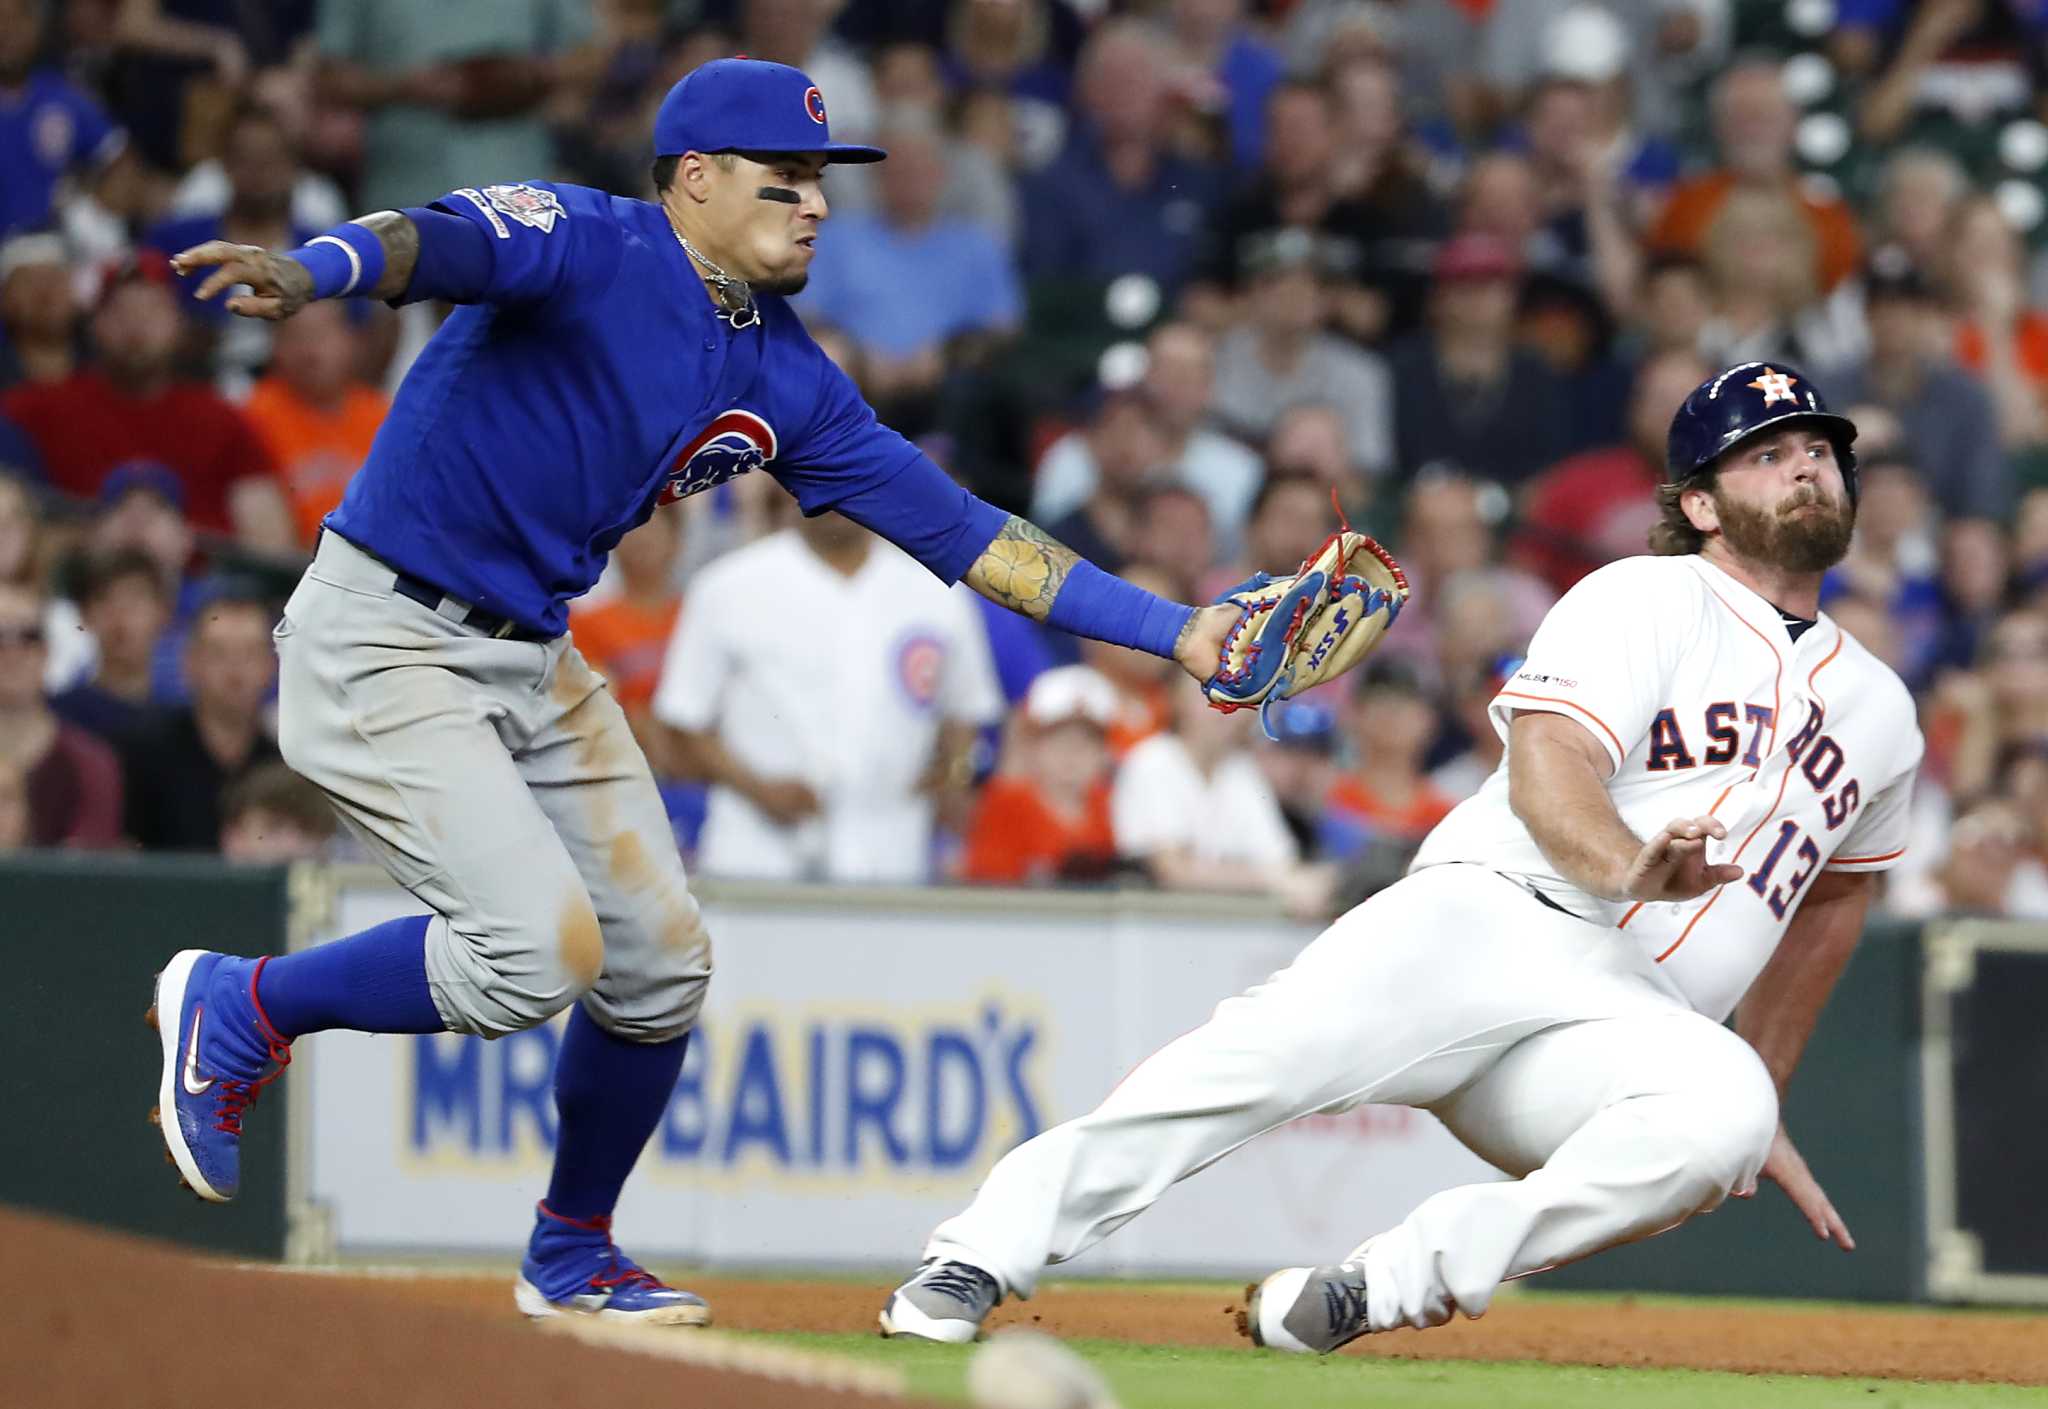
pixel 1386 795
pixel 1998 336
pixel 1049 820
pixel 1754 125
pixel 1139 680
pixel 624 637
pixel 314 414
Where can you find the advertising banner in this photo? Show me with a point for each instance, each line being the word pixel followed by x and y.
pixel 863 1059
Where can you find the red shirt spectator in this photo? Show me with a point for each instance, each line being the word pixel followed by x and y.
pixel 74 793
pixel 1019 836
pixel 85 426
pixel 1586 511
pixel 129 407
pixel 1595 507
pixel 1050 819
pixel 72 781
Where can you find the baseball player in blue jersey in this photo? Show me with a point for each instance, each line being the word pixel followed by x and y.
pixel 607 356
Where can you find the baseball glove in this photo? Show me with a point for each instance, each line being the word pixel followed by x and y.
pixel 1297 631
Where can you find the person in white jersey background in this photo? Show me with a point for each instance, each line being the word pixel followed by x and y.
pixel 826 751
pixel 1702 775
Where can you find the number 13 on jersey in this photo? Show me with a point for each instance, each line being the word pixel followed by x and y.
pixel 1780 897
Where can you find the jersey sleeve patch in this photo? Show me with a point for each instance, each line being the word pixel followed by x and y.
pixel 529 205
pixel 476 198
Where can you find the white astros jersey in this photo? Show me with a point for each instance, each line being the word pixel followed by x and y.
pixel 1805 750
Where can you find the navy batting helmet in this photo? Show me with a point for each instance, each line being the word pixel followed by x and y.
pixel 1727 409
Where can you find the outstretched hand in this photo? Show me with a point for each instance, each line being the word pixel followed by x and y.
pixel 1673 864
pixel 1200 648
pixel 278 287
pixel 1786 1168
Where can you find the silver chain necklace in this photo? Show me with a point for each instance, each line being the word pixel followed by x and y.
pixel 735 296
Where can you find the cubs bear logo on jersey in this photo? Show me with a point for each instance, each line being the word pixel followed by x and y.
pixel 734 442
pixel 920 664
pixel 52 133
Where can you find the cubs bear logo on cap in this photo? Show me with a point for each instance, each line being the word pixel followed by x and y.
pixel 749 105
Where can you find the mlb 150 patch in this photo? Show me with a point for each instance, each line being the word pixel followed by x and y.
pixel 529 205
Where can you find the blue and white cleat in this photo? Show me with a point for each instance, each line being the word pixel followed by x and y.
pixel 573 1268
pixel 219 1052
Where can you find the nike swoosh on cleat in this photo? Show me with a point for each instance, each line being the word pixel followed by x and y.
pixel 193 1085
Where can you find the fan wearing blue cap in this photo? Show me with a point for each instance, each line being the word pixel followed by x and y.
pixel 606 356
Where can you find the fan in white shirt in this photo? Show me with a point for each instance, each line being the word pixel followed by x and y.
pixel 824 748
pixel 1194 806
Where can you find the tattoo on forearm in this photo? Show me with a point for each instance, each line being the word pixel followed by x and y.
pixel 401 241
pixel 1023 569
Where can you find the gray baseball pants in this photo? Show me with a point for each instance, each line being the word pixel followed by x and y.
pixel 498 781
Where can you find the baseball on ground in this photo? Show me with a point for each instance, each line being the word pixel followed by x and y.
pixel 1020 1369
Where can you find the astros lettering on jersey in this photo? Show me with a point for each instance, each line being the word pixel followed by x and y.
pixel 1805 749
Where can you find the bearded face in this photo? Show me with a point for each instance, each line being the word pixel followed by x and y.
pixel 1807 530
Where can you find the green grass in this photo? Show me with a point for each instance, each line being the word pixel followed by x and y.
pixel 1169 1377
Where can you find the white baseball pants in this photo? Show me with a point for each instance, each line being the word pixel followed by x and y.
pixel 1548 1045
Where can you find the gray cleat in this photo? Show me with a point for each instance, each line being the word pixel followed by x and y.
pixel 944 1301
pixel 1307 1309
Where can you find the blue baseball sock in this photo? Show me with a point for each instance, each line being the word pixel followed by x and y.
pixel 375 981
pixel 610 1094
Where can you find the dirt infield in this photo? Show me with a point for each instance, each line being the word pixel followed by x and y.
pixel 118 1321
pixel 1889 1343
pixel 104 1320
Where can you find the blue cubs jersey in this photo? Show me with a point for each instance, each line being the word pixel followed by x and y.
pixel 592 381
pixel 47 129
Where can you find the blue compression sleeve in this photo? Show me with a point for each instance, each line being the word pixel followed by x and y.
pixel 919 508
pixel 455 261
pixel 1093 603
pixel 346 260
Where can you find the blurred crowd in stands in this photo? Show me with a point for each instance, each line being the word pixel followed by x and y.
pixel 1174 278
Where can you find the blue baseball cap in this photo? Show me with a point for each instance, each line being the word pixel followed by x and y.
pixel 1303 723
pixel 749 105
pixel 153 475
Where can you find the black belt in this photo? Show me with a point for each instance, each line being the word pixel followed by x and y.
pixel 1546 900
pixel 475 618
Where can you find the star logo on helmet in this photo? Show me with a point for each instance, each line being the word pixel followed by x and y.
pixel 1775 386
